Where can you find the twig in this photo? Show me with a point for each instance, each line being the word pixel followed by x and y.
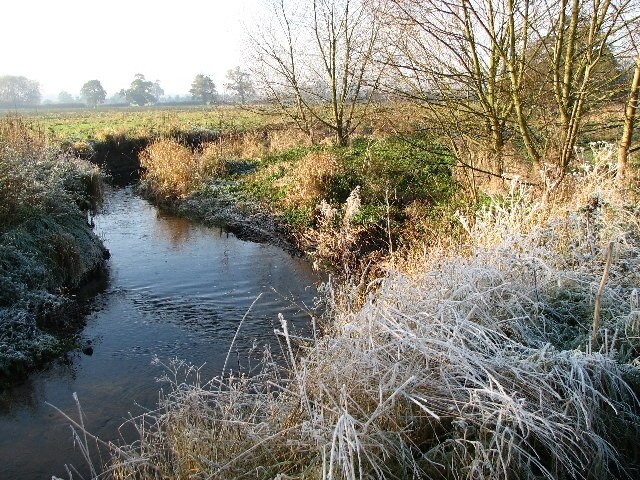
pixel 603 281
pixel 226 360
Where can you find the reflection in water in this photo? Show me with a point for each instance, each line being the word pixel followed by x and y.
pixel 176 290
pixel 175 229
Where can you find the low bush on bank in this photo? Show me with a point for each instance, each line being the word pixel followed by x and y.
pixel 46 245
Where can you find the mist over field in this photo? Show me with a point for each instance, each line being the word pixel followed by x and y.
pixel 63 45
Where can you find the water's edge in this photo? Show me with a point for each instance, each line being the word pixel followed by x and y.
pixel 176 290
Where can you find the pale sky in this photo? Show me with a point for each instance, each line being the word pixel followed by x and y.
pixel 64 43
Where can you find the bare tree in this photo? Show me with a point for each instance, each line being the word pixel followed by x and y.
pixel 453 58
pixel 532 68
pixel 317 65
pixel 581 35
pixel 630 113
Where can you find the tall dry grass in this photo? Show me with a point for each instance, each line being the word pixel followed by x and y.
pixel 306 180
pixel 36 176
pixel 170 168
pixel 333 243
pixel 173 169
pixel 249 145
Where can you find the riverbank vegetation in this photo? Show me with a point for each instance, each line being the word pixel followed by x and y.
pixel 281 174
pixel 478 357
pixel 467 172
pixel 47 248
pixel 461 341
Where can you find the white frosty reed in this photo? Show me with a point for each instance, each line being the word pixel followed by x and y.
pixel 449 374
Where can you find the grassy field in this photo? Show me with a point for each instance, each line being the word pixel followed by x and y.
pixel 92 124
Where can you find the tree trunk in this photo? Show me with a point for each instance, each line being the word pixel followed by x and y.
pixel 629 121
pixel 342 137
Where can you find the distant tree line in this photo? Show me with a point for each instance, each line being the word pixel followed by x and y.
pixel 19 91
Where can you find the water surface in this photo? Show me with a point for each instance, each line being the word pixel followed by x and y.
pixel 175 290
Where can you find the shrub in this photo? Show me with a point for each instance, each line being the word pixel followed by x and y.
pixel 171 169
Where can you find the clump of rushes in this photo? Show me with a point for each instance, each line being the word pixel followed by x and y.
pixel 212 162
pixel 170 168
pixel 46 246
pixel 173 170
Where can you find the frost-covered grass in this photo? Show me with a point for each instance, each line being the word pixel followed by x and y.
pixel 462 363
pixel 46 246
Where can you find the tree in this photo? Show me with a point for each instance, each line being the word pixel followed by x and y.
pixel 65 97
pixel 156 90
pixel 140 92
pixel 239 82
pixel 117 97
pixel 93 93
pixel 629 122
pixel 18 90
pixel 449 58
pixel 581 33
pixel 533 69
pixel 317 63
pixel 203 89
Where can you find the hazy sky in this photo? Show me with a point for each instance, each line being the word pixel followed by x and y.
pixel 64 43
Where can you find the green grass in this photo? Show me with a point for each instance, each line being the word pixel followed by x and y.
pixel 400 169
pixel 85 125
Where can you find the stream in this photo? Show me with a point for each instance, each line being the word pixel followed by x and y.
pixel 175 290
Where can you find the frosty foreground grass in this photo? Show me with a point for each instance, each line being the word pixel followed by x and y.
pixel 470 366
pixel 46 245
